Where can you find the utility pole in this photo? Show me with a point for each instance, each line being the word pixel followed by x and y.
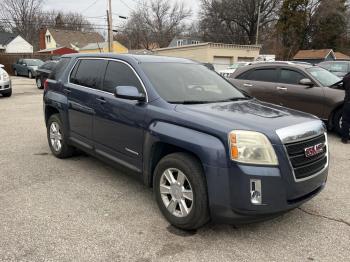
pixel 258 25
pixel 110 26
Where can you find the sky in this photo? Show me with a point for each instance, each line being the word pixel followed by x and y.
pixel 96 9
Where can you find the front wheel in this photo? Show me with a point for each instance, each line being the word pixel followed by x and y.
pixel 57 138
pixel 30 74
pixel 181 192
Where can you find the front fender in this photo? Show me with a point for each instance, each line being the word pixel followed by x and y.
pixel 209 149
pixel 57 101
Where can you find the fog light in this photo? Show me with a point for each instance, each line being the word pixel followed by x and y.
pixel 255 192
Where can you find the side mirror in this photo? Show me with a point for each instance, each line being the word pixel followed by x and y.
pixel 129 93
pixel 306 82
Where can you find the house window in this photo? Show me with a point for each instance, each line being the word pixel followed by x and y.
pixel 195 42
pixel 180 43
pixel 48 39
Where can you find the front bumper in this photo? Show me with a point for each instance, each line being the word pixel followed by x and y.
pixel 5 86
pixel 230 196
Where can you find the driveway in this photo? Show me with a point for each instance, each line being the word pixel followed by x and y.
pixel 81 209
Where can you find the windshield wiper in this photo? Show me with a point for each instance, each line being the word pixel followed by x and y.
pixel 191 102
pixel 235 99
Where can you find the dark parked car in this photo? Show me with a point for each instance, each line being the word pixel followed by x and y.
pixel 307 88
pixel 207 150
pixel 26 67
pixel 43 72
pixel 339 68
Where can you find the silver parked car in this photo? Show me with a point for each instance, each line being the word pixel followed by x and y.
pixel 5 83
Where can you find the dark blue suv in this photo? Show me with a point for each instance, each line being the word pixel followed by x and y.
pixel 208 150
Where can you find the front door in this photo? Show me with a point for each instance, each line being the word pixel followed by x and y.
pixel 300 97
pixel 85 79
pixel 118 128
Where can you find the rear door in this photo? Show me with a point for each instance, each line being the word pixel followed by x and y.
pixel 260 83
pixel 300 97
pixel 85 80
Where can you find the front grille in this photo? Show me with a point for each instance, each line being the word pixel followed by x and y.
pixel 307 166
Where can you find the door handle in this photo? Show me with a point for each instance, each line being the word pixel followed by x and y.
pixel 101 100
pixel 279 88
pixel 67 91
pixel 248 85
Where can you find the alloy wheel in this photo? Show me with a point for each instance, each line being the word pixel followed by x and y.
pixel 38 83
pixel 55 136
pixel 176 192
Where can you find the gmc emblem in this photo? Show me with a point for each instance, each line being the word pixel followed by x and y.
pixel 314 150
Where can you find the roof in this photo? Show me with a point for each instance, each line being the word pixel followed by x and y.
pixel 313 54
pixel 53 49
pixel 137 58
pixel 214 45
pixel 6 38
pixel 75 38
pixel 341 56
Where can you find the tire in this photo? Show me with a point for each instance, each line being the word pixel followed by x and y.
pixel 39 83
pixel 337 119
pixel 30 74
pixel 16 73
pixel 7 94
pixel 198 211
pixel 62 149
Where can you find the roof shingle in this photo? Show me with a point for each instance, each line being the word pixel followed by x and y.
pixel 6 38
pixel 74 38
pixel 312 54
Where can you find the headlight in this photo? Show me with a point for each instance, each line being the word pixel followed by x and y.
pixel 251 148
pixel 5 75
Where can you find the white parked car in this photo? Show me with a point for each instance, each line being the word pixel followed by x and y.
pixel 5 83
pixel 232 68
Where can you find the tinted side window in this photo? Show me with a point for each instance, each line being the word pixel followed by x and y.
pixel 88 73
pixel 120 74
pixel 245 75
pixel 59 69
pixel 290 77
pixel 264 75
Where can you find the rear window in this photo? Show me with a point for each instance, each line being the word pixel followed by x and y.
pixel 88 73
pixel 59 68
pixel 264 75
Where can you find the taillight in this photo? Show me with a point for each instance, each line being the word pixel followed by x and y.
pixel 46 85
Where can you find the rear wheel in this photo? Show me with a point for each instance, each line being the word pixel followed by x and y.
pixel 181 192
pixel 338 121
pixel 57 138
pixel 39 83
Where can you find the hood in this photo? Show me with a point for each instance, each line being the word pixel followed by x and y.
pixel 245 115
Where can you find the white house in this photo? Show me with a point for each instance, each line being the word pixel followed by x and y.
pixel 11 43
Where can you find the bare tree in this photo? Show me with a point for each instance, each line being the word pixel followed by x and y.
pixel 20 16
pixel 156 22
pixel 236 20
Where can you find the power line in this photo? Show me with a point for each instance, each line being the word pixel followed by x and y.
pixel 91 5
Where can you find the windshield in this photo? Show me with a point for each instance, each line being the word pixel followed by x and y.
pixel 33 62
pixel 189 83
pixel 323 76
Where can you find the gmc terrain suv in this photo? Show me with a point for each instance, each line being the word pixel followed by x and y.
pixel 208 151
pixel 303 87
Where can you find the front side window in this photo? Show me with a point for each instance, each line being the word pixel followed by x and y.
pixel 88 73
pixel 183 83
pixel 120 74
pixel 290 77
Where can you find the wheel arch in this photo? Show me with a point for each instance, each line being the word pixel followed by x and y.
pixel 165 138
pixel 332 114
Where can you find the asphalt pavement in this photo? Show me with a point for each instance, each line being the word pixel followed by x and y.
pixel 81 209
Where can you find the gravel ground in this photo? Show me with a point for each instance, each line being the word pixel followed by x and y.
pixel 80 209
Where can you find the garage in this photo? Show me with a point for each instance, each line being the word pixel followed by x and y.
pixel 222 62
